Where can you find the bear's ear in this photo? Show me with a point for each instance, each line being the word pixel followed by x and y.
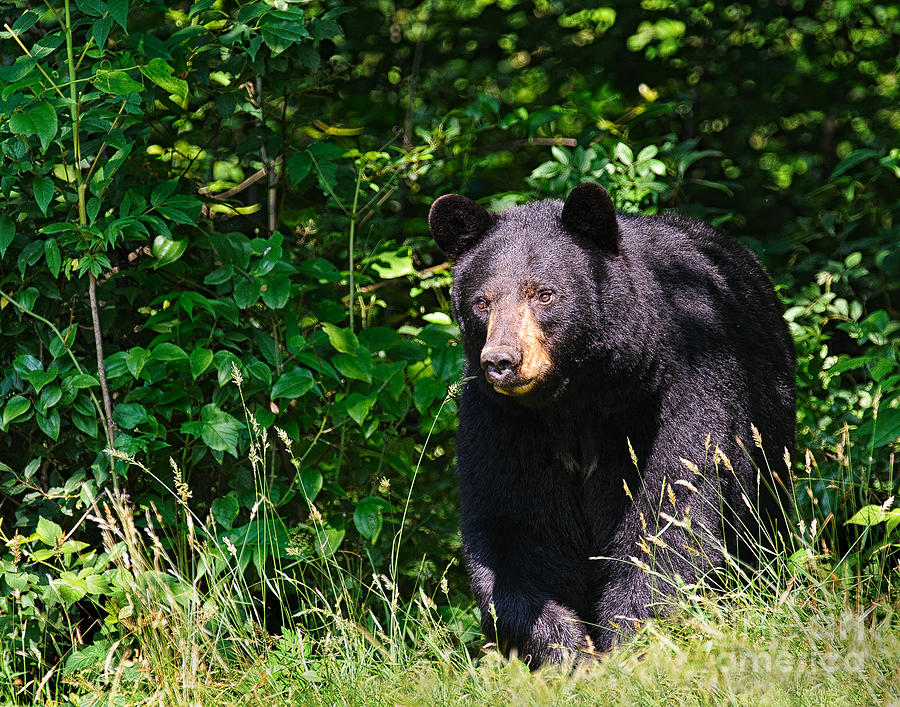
pixel 457 223
pixel 589 211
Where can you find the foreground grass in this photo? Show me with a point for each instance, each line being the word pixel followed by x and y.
pixel 808 647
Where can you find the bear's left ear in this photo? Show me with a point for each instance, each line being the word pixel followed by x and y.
pixel 589 211
pixel 457 223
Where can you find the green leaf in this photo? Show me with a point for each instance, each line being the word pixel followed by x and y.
pixel 367 517
pixel 86 423
pixel 201 359
pixel 52 256
pixel 43 192
pixel 40 378
pixel 43 118
pixel 311 481
pixel 117 83
pixel 328 539
pixel 293 384
pixel 341 339
pixel 168 352
pixel 49 424
pixel 16 407
pixel 7 233
pixel 394 263
pixel 246 292
pixel 358 406
pixel 160 73
pixel 867 516
pixel 21 123
pixel 167 250
pixel 883 430
pixel 48 532
pixel 219 430
pixel 100 30
pixel 358 367
pixel 94 8
pixel 851 160
pixel 225 509
pixel 118 10
pixel 135 360
pixel 297 167
pixel 427 391
pixel 321 270
pixel 81 380
pixel 129 415
pixel 276 291
pixel 281 29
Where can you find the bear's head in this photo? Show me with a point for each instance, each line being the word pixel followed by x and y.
pixel 525 285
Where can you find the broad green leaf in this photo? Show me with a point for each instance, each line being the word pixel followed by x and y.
pixel 40 378
pixel 328 539
pixel 117 83
pixel 160 73
pixel 94 8
pixel 394 264
pixel 358 406
pixel 882 430
pixel 86 423
pixel 311 481
pixel 52 256
pixel 16 407
pixel 167 250
pixel 118 10
pixel 341 339
pixel 358 367
pixel 43 118
pixel 100 30
pixel 21 123
pixel 427 391
pixel 25 364
pixel 321 270
pixel 225 509
pixel 367 517
pixel 7 233
pixel 43 192
pixel 246 292
pixel 48 532
pixel 135 360
pixel 276 291
pixel 293 384
pixel 218 429
pixel 168 352
pixel 129 415
pixel 81 380
pixel 201 359
pixel 868 516
pixel 297 167
pixel 49 423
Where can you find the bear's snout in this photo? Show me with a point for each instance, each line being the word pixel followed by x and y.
pixel 499 364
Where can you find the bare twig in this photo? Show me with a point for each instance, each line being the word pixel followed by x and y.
pixel 101 369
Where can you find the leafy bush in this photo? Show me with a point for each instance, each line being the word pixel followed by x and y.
pixel 213 228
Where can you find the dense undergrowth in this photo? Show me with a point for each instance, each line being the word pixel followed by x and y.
pixel 227 367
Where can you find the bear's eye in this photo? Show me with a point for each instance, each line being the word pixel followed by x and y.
pixel 481 303
pixel 545 296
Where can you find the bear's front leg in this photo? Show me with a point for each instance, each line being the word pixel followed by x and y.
pixel 521 610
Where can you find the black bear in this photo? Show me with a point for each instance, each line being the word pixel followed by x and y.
pixel 615 365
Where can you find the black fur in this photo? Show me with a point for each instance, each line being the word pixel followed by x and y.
pixel 663 332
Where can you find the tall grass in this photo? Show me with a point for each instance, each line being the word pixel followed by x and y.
pixel 201 619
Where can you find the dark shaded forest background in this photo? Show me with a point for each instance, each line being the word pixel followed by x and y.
pixel 233 196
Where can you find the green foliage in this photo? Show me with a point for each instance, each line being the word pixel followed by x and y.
pixel 242 189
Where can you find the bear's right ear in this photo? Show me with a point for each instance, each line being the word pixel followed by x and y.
pixel 457 223
pixel 589 211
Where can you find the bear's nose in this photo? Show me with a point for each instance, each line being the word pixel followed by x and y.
pixel 499 364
